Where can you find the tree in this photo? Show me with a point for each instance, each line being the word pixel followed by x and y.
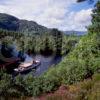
pixel 58 40
pixel 95 27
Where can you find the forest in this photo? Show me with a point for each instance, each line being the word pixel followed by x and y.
pixel 54 42
pixel 79 70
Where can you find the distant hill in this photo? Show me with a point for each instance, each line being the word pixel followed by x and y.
pixel 12 23
pixel 75 32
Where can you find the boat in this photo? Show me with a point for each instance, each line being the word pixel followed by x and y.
pixel 27 66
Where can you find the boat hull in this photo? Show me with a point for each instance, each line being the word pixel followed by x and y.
pixel 29 68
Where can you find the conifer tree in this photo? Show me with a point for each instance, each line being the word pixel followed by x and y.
pixel 95 27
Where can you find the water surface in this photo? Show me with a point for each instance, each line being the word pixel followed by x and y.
pixel 46 63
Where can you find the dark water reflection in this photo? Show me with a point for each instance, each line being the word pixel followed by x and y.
pixel 46 63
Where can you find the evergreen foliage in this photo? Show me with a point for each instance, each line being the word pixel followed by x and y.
pixel 81 63
pixel 95 27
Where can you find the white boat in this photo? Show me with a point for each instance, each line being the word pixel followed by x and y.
pixel 26 66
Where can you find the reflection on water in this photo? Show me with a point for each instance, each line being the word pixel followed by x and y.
pixel 46 62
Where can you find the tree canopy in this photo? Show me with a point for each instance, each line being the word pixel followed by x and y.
pixel 95 27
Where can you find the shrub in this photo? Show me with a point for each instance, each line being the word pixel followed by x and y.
pixel 81 63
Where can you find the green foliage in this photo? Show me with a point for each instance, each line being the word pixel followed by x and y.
pixel 25 85
pixel 10 87
pixel 44 43
pixel 11 23
pixel 89 90
pixel 85 90
pixel 68 43
pixel 81 63
pixel 95 27
pixel 40 85
pixel 5 83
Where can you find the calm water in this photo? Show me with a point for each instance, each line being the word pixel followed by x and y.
pixel 46 63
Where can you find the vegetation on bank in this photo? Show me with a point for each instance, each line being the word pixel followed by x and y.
pixel 85 90
pixel 31 86
pixel 81 63
pixel 84 60
pixel 54 42
pixel 25 86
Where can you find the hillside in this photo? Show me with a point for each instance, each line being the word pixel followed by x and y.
pixel 12 23
pixel 75 32
pixel 75 77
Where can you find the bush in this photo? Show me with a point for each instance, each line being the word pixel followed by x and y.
pixel 81 63
pixel 26 85
pixel 43 85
